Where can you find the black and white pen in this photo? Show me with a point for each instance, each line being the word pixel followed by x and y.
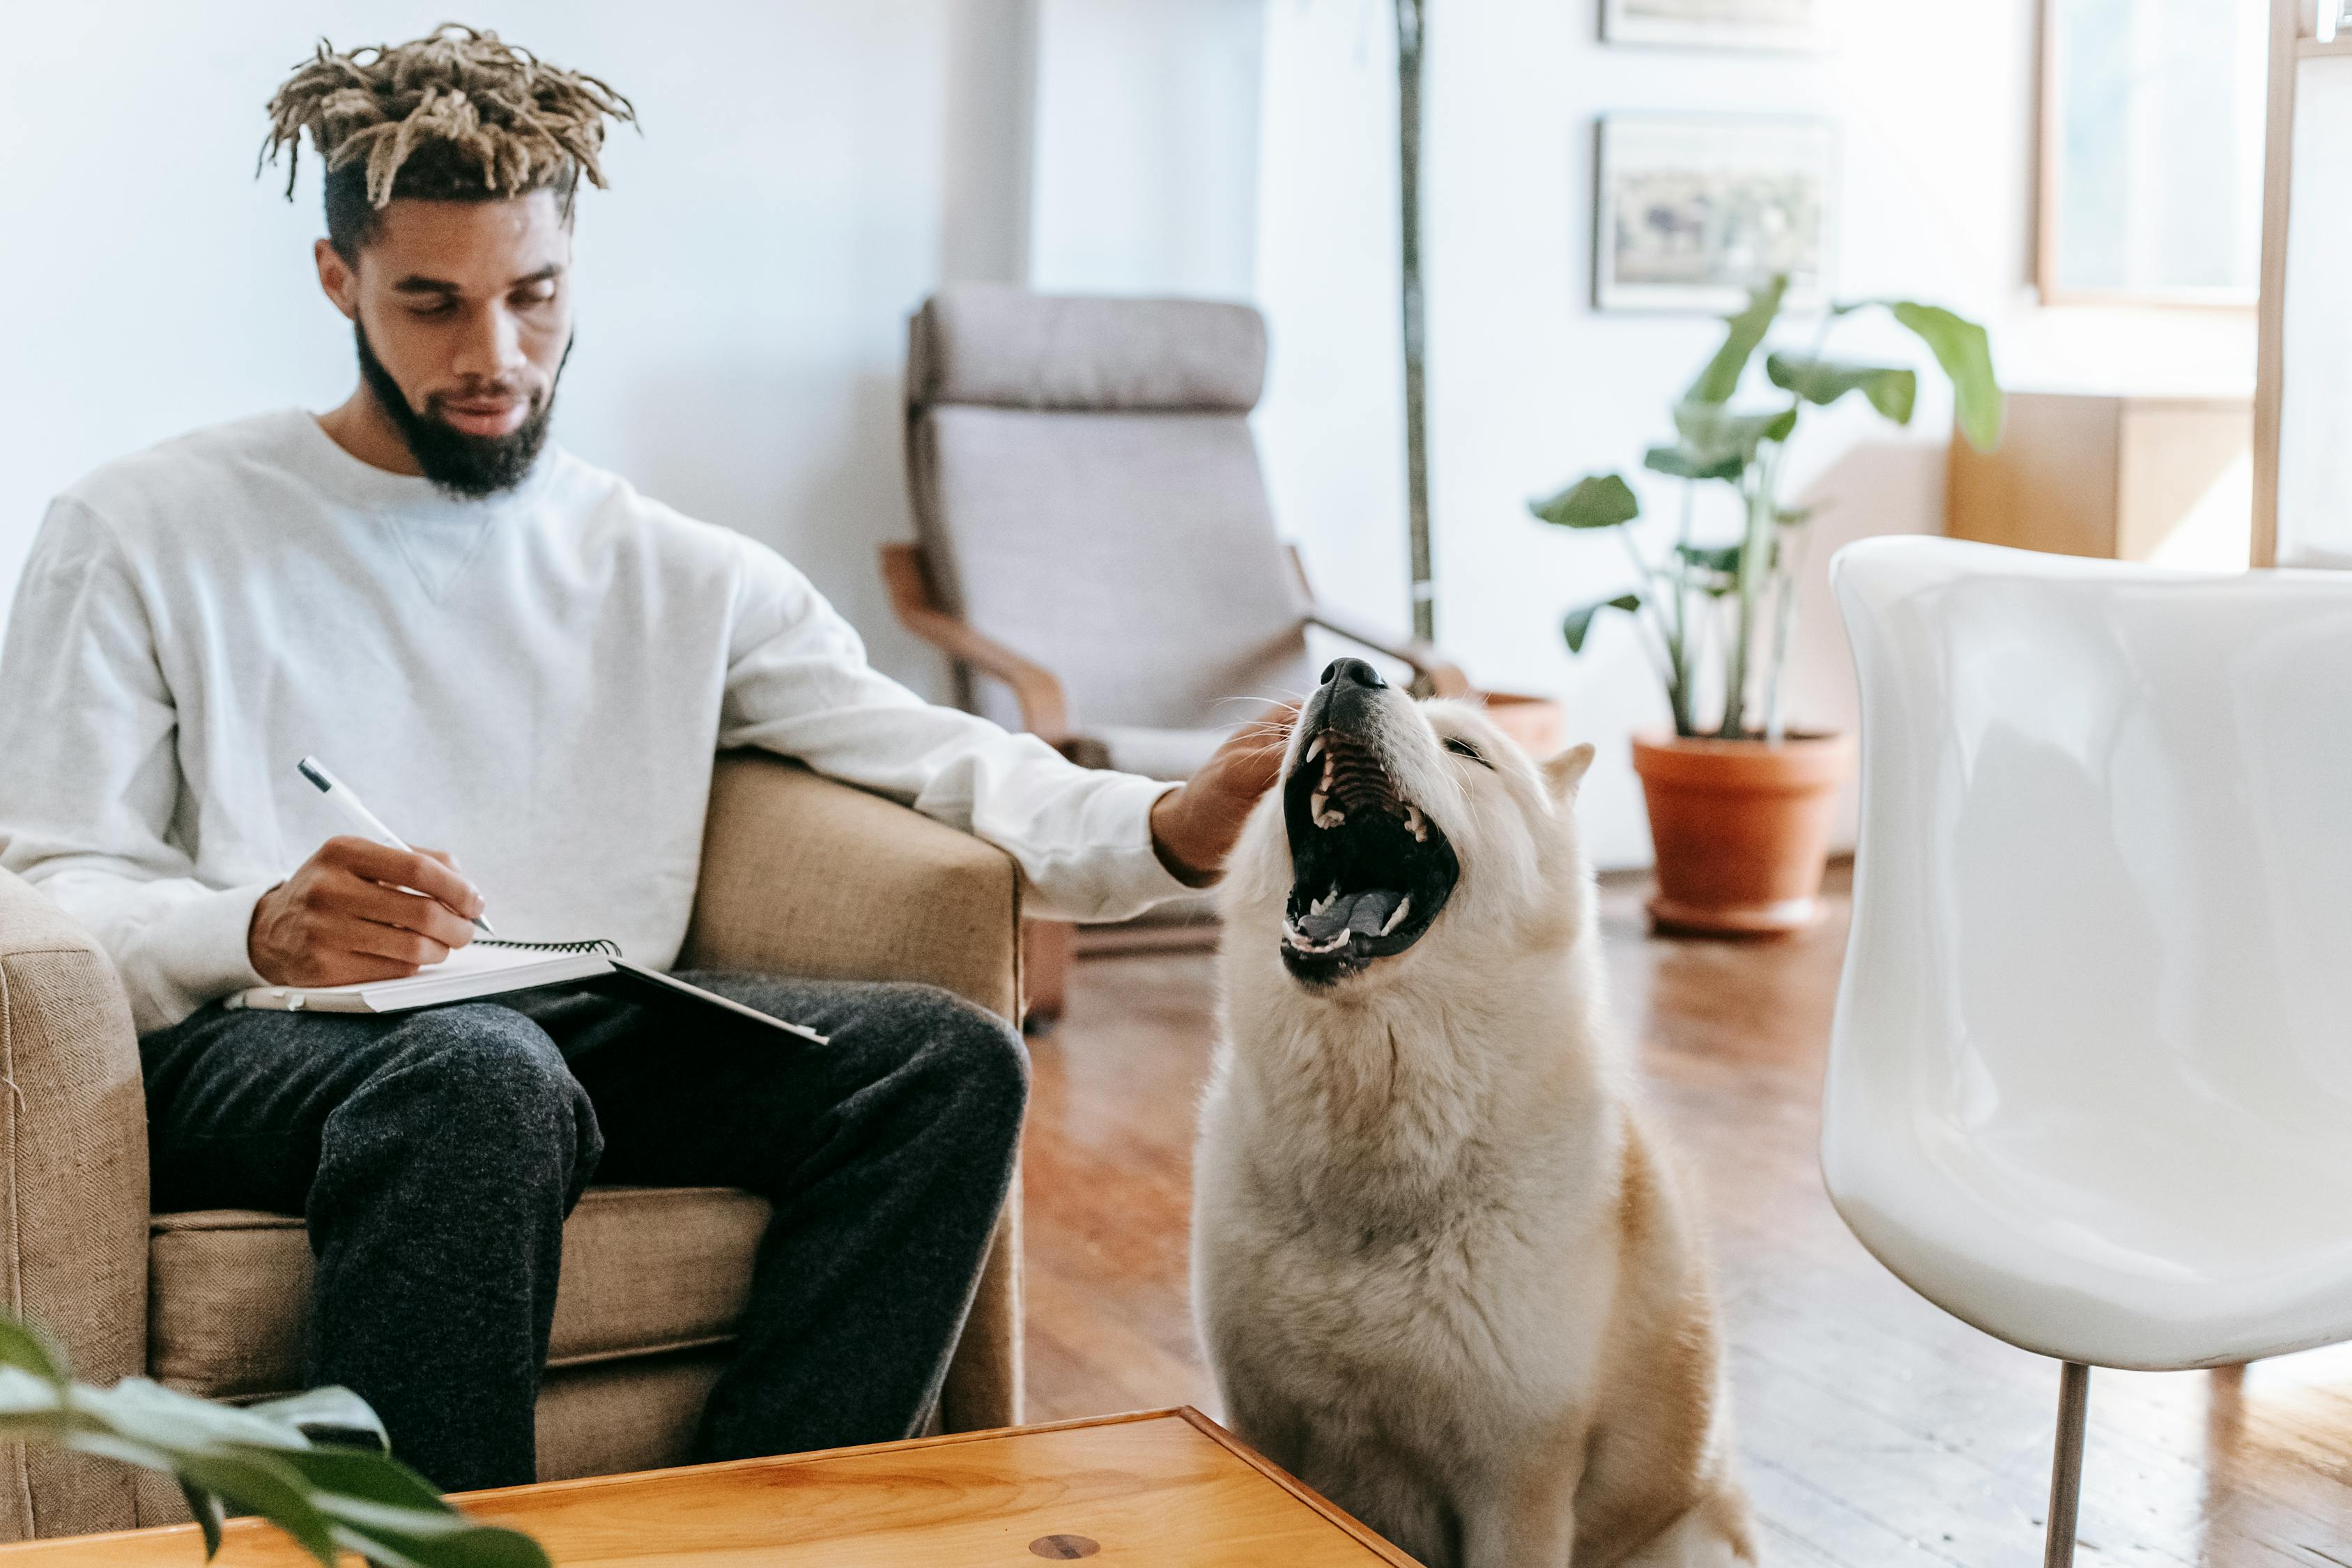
pixel 356 813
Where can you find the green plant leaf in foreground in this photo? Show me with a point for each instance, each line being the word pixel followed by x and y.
pixel 1892 391
pixel 257 1459
pixel 1720 379
pixel 23 1345
pixel 1961 347
pixel 1596 501
pixel 1579 623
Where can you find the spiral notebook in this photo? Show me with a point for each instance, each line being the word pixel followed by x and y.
pixel 491 966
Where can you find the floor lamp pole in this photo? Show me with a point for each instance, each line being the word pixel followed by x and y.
pixel 1416 424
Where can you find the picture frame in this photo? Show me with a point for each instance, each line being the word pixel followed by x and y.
pixel 1794 25
pixel 1692 210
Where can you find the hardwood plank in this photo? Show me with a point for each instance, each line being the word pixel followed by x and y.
pixel 1872 1425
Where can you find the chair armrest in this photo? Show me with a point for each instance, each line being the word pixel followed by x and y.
pixel 808 877
pixel 1044 711
pixel 73 1192
pixel 1444 678
pixel 805 876
pixel 1434 671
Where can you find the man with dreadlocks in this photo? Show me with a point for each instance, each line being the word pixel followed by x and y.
pixel 510 651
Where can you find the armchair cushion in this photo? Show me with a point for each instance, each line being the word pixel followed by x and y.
pixel 646 1270
pixel 1132 555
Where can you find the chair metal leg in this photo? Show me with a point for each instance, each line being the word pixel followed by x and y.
pixel 2066 1466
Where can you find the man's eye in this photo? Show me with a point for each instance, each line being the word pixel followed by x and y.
pixel 540 295
pixel 438 308
pixel 1461 748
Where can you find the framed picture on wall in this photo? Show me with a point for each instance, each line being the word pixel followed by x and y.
pixel 1692 210
pixel 1715 24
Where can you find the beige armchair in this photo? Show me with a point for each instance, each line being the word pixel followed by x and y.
pixel 800 874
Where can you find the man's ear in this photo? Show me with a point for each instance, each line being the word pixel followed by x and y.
pixel 338 279
pixel 1566 771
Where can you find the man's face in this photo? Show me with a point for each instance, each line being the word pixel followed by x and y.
pixel 463 313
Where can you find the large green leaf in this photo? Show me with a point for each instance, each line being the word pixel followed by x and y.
pixel 259 1459
pixel 1713 436
pixel 1578 625
pixel 334 1410
pixel 1683 464
pixel 1964 351
pixel 1596 501
pixel 1891 389
pixel 1720 379
pixel 23 1345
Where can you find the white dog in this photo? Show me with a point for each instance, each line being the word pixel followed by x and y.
pixel 1440 1264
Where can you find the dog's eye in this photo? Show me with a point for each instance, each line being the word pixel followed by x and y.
pixel 1461 748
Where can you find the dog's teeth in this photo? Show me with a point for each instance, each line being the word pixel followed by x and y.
pixel 1314 748
pixel 1412 819
pixel 1396 916
pixel 1314 805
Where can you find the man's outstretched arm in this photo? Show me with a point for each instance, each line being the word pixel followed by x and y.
pixel 1092 845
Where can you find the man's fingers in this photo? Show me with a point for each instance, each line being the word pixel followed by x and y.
pixel 389 942
pixel 406 869
pixel 358 898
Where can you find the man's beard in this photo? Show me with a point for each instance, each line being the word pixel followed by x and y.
pixel 472 467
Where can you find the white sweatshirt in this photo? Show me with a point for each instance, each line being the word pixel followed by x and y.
pixel 537 683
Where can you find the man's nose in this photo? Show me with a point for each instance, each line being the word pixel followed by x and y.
pixel 492 350
pixel 1353 671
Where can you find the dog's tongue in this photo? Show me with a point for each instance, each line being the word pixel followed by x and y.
pixel 1364 913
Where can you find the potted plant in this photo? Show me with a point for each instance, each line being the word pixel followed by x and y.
pixel 1739 805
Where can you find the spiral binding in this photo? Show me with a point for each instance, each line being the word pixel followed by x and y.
pixel 599 945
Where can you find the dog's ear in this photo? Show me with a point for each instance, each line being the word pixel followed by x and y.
pixel 1566 771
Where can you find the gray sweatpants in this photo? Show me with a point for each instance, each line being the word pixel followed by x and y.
pixel 435 1155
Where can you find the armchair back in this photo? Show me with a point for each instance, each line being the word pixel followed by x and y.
pixel 1088 494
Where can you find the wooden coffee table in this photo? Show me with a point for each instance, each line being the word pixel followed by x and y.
pixel 1164 1488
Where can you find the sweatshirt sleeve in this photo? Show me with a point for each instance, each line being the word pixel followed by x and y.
pixel 90 777
pixel 798 684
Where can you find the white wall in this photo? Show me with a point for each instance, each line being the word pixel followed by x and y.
pixel 1529 388
pixel 1146 153
pixel 806 174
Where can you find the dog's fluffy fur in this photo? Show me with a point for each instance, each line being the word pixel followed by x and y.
pixel 1441 1266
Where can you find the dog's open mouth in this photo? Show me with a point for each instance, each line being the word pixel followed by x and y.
pixel 1368 870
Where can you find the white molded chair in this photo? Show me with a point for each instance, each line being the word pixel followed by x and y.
pixel 2090 1085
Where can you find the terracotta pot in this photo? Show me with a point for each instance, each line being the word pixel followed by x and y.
pixel 1742 830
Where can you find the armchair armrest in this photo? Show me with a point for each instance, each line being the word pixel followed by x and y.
pixel 1442 676
pixel 73 1192
pixel 805 876
pixel 1044 711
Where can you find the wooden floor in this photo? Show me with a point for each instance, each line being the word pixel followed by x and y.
pixel 1878 1433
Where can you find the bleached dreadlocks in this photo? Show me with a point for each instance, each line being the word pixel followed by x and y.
pixel 460 115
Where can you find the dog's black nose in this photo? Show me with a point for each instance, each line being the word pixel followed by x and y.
pixel 1352 669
